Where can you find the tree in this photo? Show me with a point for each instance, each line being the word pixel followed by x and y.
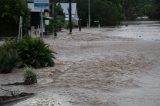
pixel 10 11
pixel 59 21
pixel 111 12
pixel 108 12
pixel 130 9
pixel 156 13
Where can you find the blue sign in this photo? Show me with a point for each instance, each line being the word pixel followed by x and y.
pixel 41 4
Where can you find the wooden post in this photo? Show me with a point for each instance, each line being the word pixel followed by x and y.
pixel 20 28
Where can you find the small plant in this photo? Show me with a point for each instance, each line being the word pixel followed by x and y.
pixel 8 56
pixel 34 52
pixel 29 76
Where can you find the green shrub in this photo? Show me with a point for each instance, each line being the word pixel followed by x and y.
pixel 56 25
pixel 28 51
pixel 58 22
pixel 29 76
pixel 8 56
pixel 34 52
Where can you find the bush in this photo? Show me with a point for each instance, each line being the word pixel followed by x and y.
pixel 8 56
pixel 29 76
pixel 34 52
pixel 28 51
pixel 56 25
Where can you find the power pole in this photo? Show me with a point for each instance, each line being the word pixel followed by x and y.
pixel 20 27
pixel 55 18
pixel 42 26
pixel 79 15
pixel 70 17
pixel 89 13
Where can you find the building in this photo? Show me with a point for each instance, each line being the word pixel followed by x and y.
pixel 65 7
pixel 36 7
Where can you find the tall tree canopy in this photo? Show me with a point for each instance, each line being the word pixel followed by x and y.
pixel 156 8
pixel 111 12
pixel 10 11
pixel 108 12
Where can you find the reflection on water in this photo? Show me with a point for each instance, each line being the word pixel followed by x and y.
pixel 147 30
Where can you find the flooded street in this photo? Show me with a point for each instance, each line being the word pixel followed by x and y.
pixel 114 66
pixel 146 30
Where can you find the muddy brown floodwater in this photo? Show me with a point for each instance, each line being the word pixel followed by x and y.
pixel 113 66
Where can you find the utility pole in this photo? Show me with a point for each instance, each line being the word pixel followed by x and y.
pixel 89 13
pixel 20 27
pixel 70 17
pixel 79 21
pixel 42 26
pixel 55 19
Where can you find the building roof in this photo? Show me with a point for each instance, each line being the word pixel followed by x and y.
pixel 30 1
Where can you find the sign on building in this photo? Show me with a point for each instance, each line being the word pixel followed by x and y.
pixel 41 4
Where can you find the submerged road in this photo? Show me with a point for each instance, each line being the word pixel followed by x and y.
pixel 114 66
